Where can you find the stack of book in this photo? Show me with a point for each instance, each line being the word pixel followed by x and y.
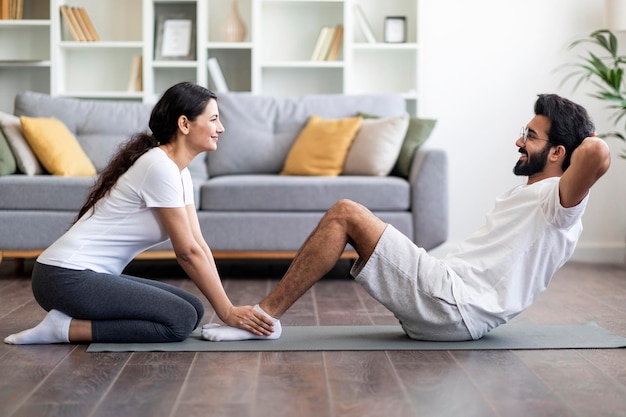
pixel 11 9
pixel 79 23
pixel 328 44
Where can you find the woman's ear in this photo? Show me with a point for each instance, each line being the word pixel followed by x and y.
pixel 183 124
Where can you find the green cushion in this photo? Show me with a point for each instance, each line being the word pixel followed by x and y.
pixel 7 160
pixel 417 133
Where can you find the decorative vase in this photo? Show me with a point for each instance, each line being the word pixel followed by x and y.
pixel 233 28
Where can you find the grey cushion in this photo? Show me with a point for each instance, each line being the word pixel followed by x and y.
pixel 259 130
pixel 299 193
pixel 43 192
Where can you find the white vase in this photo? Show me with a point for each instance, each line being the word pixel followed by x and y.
pixel 233 28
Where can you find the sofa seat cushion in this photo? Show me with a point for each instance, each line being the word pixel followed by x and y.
pixel 44 192
pixel 302 193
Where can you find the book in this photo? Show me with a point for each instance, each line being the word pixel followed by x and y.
pixel 328 39
pixel 5 12
pixel 318 44
pixel 335 45
pixel 81 23
pixel 68 19
pixel 364 25
pixel 216 74
pixel 89 24
pixel 135 82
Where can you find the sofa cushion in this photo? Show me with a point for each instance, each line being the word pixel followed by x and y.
pixel 99 126
pixel 27 162
pixel 301 193
pixel 7 160
pixel 321 147
pixel 418 131
pixel 260 130
pixel 56 147
pixel 376 147
pixel 44 192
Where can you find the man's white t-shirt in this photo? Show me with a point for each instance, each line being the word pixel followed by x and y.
pixel 500 270
pixel 125 222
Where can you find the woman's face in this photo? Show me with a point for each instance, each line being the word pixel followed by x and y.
pixel 205 130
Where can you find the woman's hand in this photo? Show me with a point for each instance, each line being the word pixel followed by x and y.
pixel 244 317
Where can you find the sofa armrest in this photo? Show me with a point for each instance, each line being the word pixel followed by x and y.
pixel 429 197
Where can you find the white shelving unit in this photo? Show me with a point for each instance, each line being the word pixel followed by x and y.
pixel 25 53
pixel 274 58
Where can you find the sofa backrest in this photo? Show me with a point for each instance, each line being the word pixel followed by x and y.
pixel 99 126
pixel 260 130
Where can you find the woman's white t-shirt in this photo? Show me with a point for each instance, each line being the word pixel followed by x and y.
pixel 501 269
pixel 125 222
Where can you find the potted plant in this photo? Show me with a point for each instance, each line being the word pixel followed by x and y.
pixel 604 70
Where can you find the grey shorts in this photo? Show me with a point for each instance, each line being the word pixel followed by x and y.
pixel 413 285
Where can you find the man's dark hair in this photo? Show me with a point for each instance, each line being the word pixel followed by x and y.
pixel 570 122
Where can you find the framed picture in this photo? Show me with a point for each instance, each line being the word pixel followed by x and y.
pixel 175 32
pixel 395 29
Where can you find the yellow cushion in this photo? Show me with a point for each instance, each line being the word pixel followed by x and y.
pixel 322 146
pixel 56 147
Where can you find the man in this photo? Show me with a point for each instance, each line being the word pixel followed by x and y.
pixel 490 277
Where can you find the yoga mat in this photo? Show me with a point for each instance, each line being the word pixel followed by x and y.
pixel 390 337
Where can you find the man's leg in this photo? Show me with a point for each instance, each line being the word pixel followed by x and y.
pixel 345 222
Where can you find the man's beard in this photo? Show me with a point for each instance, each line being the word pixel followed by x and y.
pixel 534 164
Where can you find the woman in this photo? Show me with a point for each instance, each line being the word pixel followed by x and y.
pixel 143 197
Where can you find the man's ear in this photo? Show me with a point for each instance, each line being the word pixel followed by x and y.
pixel 558 152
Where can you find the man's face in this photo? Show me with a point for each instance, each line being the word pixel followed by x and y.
pixel 534 147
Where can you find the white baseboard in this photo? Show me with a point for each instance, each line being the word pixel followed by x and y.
pixel 614 254
pixel 606 254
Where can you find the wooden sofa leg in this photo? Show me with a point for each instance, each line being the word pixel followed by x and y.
pixel 18 265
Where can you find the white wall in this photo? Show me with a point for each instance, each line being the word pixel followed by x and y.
pixel 483 63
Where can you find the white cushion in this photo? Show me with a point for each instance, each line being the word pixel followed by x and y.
pixel 376 146
pixel 25 158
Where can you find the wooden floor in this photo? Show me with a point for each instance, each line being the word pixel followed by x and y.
pixel 64 380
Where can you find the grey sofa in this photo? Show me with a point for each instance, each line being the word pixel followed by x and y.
pixel 245 208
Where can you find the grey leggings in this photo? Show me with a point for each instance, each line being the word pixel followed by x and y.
pixel 121 308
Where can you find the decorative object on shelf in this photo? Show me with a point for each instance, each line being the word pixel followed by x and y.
pixel 364 25
pixel 234 29
pixel 175 32
pixel 395 29
pixel 216 74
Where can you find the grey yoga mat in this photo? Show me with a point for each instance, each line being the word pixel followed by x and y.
pixel 391 337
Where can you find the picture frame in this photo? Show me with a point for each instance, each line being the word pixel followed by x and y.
pixel 175 32
pixel 395 29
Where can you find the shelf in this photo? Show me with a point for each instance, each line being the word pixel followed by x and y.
pixel 100 44
pixel 229 45
pixel 25 63
pixel 37 53
pixel 303 64
pixel 24 23
pixel 174 64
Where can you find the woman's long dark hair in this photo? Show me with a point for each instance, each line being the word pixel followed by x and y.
pixel 183 99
